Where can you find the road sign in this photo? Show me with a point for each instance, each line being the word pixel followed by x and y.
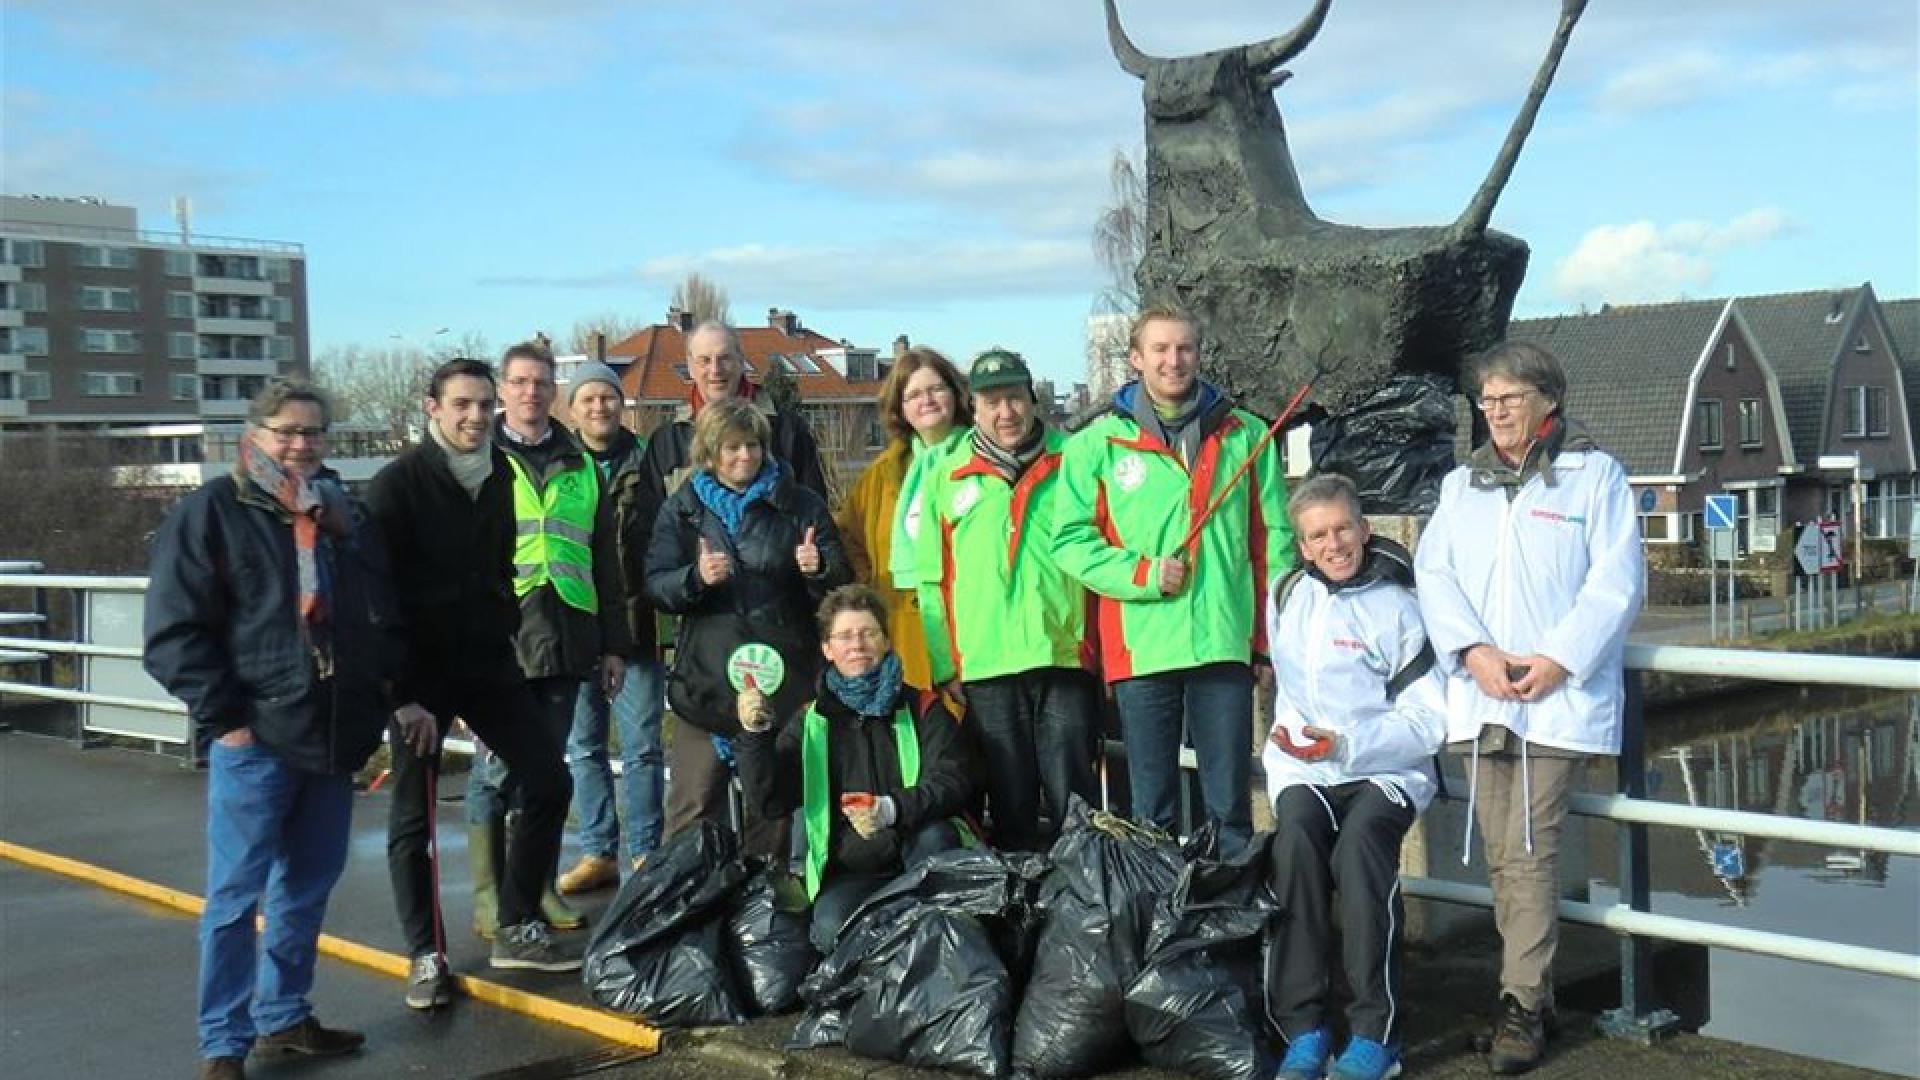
pixel 1720 545
pixel 1648 500
pixel 1830 560
pixel 1722 511
pixel 1807 549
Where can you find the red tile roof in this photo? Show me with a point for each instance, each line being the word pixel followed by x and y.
pixel 659 353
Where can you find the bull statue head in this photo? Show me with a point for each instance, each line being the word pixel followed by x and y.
pixel 1284 296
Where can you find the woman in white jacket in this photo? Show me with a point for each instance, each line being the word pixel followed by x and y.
pixel 1530 575
pixel 1359 713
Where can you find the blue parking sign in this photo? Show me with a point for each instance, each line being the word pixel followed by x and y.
pixel 1722 511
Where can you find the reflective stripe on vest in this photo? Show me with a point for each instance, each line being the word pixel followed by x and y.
pixel 817 788
pixel 553 541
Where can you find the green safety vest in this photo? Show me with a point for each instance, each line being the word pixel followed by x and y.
pixel 553 532
pixel 816 787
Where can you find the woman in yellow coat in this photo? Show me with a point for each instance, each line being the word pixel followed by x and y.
pixel 926 411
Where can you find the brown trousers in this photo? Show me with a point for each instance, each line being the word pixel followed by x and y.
pixel 697 790
pixel 1526 890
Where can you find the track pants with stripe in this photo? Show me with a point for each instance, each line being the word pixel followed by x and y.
pixel 1343 839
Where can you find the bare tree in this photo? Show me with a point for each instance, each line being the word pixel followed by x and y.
pixel 781 388
pixel 1120 233
pixel 383 387
pixel 616 327
pixel 100 523
pixel 703 297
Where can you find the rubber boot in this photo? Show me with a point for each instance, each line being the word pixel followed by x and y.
pixel 559 914
pixel 486 851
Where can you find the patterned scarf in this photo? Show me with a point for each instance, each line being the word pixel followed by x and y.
pixel 1554 435
pixel 312 504
pixel 872 694
pixel 728 505
pixel 1010 464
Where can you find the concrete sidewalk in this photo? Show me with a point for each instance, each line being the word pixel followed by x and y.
pixel 94 984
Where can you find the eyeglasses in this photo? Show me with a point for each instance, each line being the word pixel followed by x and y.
pixel 848 637
pixel 1503 402
pixel 928 392
pixel 289 434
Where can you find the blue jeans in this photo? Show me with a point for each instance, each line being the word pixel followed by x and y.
pixel 635 711
pixel 1216 704
pixel 272 830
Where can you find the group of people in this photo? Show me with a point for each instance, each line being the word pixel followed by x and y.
pixel 928 667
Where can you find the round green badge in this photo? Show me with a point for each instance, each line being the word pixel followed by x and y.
pixel 762 662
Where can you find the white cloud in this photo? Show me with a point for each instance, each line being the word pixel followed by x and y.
pixel 1641 261
pixel 1663 83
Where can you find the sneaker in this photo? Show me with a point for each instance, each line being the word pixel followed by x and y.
pixel 1307 1055
pixel 591 873
pixel 1519 1039
pixel 1364 1059
pixel 430 983
pixel 223 1068
pixel 528 947
pixel 310 1038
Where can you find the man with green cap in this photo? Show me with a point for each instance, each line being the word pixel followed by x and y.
pixel 1004 622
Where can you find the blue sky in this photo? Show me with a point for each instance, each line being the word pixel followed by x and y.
pixel 934 169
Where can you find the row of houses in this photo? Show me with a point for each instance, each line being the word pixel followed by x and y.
pixel 1802 405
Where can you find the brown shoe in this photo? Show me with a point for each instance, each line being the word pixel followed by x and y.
pixel 222 1068
pixel 310 1038
pixel 1519 1039
pixel 592 872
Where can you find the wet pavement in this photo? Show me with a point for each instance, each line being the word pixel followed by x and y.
pixel 95 984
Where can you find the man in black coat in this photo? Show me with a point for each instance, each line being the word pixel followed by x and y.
pixel 445 507
pixel 268 613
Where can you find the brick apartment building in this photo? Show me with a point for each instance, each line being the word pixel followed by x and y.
pixel 144 345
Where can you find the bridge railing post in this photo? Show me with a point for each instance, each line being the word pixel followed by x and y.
pixel 1639 1018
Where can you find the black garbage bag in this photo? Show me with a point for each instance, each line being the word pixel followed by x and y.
pixel 658 953
pixel 1097 901
pixel 1396 445
pixel 770 952
pixel 918 976
pixel 1196 1004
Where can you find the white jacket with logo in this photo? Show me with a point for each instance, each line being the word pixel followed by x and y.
pixel 1335 650
pixel 1556 571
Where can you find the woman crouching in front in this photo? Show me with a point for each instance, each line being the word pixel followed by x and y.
pixel 874 766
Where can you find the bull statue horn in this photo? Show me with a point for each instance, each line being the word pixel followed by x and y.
pixel 1273 52
pixel 1473 220
pixel 1132 60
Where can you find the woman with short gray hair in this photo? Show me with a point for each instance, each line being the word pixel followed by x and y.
pixel 1528 624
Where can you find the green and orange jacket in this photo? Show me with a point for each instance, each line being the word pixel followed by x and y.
pixel 1125 499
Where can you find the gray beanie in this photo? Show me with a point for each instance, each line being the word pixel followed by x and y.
pixel 593 371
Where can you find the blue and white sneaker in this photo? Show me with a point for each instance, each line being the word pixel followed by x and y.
pixel 1307 1056
pixel 1364 1059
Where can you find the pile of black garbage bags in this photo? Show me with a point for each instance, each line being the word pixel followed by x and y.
pixel 1114 946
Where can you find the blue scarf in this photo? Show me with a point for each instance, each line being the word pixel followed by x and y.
pixel 728 505
pixel 871 694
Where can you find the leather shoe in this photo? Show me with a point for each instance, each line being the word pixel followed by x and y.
pixel 592 872
pixel 310 1038
pixel 222 1068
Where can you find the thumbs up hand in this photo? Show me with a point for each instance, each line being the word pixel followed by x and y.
pixel 714 566
pixel 751 708
pixel 807 556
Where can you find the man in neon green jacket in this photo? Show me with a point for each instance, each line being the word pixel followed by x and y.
pixel 1177 614
pixel 1004 622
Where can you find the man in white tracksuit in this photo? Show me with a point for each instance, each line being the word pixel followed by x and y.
pixel 1359 714
pixel 1530 574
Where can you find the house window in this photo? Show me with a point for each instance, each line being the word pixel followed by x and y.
pixel 1706 419
pixel 279 270
pixel 1656 528
pixel 185 387
pixel 798 364
pixel 282 308
pixel 681 370
pixel 33 385
pixel 182 346
pixel 1750 432
pixel 102 298
pixel 280 348
pixel 1860 343
pixel 1763 522
pixel 23 296
pixel 109 341
pixel 179 264
pixel 1888 505
pixel 29 341
pixel 179 305
pixel 29 253
pixel 111 384
pixel 104 257
pixel 862 367
pixel 1866 411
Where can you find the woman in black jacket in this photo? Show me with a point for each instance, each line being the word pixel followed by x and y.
pixel 875 766
pixel 742 554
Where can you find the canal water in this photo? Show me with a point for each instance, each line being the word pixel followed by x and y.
pixel 1829 755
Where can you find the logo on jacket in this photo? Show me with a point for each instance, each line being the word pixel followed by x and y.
pixel 910 521
pixel 964 498
pixel 1130 472
pixel 1555 515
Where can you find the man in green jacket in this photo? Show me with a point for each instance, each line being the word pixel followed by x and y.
pixel 1177 609
pixel 1004 622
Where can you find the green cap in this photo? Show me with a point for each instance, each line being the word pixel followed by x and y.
pixel 996 368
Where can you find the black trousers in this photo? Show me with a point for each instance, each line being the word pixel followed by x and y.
pixel 1347 839
pixel 1038 735
pixel 509 717
pixel 842 893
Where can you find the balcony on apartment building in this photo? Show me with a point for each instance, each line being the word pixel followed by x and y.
pixel 234 275
pixel 249 316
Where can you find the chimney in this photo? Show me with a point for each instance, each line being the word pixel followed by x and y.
pixel 900 347
pixel 784 321
pixel 678 319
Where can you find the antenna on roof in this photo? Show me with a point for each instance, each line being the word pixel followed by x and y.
pixel 183 217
